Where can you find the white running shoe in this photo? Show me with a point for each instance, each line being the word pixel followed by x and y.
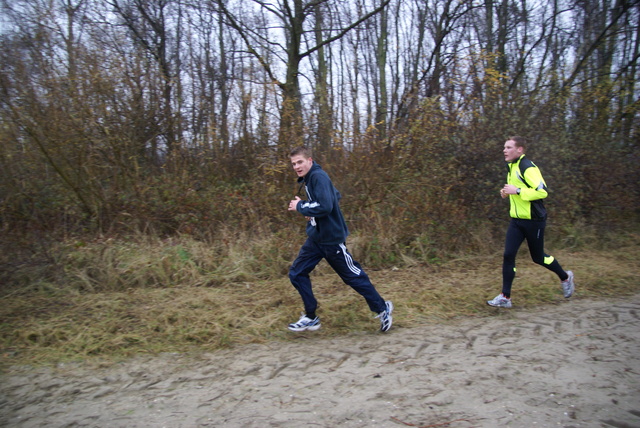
pixel 305 323
pixel 568 285
pixel 500 301
pixel 385 317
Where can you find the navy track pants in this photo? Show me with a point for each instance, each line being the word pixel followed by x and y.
pixel 341 261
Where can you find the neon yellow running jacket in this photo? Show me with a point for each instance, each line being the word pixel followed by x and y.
pixel 528 205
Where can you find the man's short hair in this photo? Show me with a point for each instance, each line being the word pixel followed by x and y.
pixel 302 150
pixel 520 141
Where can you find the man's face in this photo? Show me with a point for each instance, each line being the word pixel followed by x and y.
pixel 511 151
pixel 301 165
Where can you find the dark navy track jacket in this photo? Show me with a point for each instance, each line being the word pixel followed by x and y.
pixel 326 225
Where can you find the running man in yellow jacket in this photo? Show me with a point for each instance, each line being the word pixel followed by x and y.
pixel 525 189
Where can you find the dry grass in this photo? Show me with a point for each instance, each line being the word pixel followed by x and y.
pixel 184 298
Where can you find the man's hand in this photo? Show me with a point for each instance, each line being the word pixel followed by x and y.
pixel 294 203
pixel 508 189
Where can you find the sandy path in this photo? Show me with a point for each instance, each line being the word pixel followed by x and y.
pixel 576 364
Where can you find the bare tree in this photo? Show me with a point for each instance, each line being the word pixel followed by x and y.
pixel 293 16
pixel 325 115
pixel 382 48
pixel 440 21
pixel 150 27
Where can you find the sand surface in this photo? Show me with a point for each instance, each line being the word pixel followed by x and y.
pixel 575 364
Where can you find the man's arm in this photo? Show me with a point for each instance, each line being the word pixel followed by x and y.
pixel 539 188
pixel 532 175
pixel 323 198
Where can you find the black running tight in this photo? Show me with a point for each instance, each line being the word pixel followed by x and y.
pixel 533 232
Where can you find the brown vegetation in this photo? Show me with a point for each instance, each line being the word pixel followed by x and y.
pixel 117 299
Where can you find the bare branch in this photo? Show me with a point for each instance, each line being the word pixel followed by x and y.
pixel 346 30
pixel 234 24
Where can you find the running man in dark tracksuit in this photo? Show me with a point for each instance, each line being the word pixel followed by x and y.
pixel 326 235
pixel 528 220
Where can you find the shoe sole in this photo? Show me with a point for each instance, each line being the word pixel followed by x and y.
pixel 312 328
pixel 499 306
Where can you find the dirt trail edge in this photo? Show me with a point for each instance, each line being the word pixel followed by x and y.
pixel 575 364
